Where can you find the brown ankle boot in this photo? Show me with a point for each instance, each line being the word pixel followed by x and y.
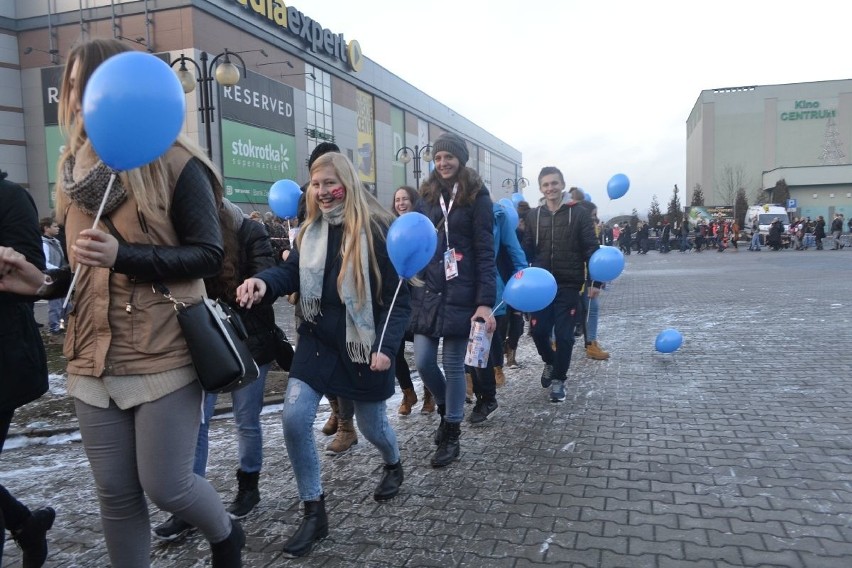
pixel 345 438
pixel 499 377
pixel 428 402
pixel 594 351
pixel 331 424
pixel 510 358
pixel 409 399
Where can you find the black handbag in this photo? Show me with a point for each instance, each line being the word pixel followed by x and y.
pixel 216 338
pixel 283 349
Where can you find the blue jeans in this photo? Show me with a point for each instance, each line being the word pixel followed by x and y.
pixel 560 318
pixel 592 310
pixel 300 411
pixel 55 314
pixel 248 402
pixel 447 386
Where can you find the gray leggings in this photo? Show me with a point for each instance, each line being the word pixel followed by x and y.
pixel 148 450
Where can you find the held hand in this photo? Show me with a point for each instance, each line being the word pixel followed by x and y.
pixel 96 248
pixel 379 362
pixel 17 275
pixel 594 292
pixel 250 292
pixel 484 312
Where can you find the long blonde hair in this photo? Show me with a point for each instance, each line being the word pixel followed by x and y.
pixel 148 184
pixel 361 213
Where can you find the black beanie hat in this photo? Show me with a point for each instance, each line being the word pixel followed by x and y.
pixel 452 143
pixel 322 148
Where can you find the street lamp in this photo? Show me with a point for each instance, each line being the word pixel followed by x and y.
pixel 226 74
pixel 515 185
pixel 405 155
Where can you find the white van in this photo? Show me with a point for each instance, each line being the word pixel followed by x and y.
pixel 762 216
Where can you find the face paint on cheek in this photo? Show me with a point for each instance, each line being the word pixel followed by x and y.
pixel 338 192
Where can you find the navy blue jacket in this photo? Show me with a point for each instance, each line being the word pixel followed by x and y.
pixel 320 359
pixel 443 308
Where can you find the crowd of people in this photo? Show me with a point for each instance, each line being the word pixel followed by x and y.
pixel 142 413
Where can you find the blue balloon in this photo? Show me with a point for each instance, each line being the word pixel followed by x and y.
pixel 284 196
pixel 411 243
pixel 517 198
pixel 617 186
pixel 606 264
pixel 507 203
pixel 668 341
pixel 587 196
pixel 530 290
pixel 133 109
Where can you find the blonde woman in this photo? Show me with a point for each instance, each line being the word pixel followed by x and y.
pixel 136 393
pixel 346 283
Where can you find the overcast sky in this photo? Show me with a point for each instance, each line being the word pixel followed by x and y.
pixel 593 87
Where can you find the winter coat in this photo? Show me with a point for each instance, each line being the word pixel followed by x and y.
pixel 819 229
pixel 120 325
pixel 23 364
pixel 255 255
pixel 443 308
pixel 563 241
pixel 321 359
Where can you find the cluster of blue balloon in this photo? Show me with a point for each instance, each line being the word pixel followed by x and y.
pixel 284 196
pixel 133 109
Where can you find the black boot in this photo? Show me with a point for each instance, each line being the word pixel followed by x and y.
pixel 448 450
pixel 32 537
pixel 388 487
pixel 248 494
pixel 440 433
pixel 229 552
pixel 314 527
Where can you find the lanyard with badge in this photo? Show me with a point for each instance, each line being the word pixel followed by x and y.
pixel 451 267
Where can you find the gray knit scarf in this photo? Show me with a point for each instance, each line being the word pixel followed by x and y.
pixel 360 327
pixel 85 178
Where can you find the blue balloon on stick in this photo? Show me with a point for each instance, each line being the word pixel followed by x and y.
pixel 617 186
pixel 517 198
pixel 668 341
pixel 530 290
pixel 284 196
pixel 606 264
pixel 133 109
pixel 411 243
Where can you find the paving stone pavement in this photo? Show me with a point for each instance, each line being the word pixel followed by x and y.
pixel 733 451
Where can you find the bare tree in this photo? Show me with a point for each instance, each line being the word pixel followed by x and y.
pixel 732 179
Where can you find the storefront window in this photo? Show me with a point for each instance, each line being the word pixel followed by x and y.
pixel 319 119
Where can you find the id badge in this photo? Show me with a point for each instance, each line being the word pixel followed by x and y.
pixel 451 267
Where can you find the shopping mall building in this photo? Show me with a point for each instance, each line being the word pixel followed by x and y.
pixel 299 84
pixel 755 137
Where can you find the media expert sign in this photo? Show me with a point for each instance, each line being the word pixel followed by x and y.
pixel 259 101
pixel 251 153
pixel 308 31
pixel 807 110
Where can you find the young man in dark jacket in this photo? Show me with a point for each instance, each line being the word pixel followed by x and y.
pixel 561 237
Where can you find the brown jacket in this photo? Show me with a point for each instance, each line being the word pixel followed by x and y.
pixel 119 326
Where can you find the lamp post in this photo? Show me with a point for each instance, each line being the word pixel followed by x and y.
pixel 226 74
pixel 405 155
pixel 515 184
